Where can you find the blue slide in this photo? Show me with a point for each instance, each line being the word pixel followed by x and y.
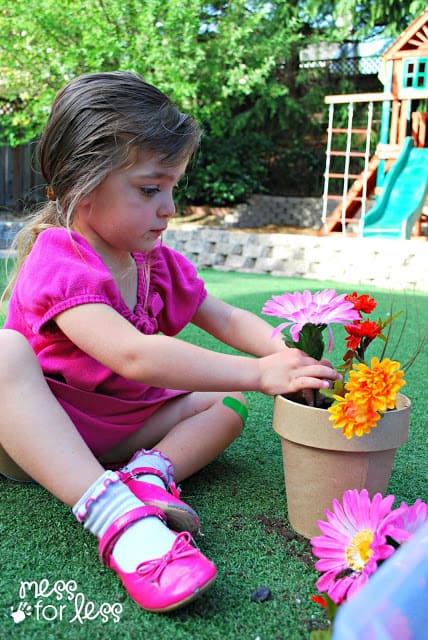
pixel 403 195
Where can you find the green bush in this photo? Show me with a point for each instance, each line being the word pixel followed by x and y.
pixel 227 170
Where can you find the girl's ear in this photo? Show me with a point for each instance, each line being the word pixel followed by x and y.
pixel 85 205
pixel 87 201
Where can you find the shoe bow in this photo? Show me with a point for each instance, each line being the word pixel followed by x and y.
pixel 153 569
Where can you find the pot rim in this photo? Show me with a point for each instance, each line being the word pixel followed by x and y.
pixel 309 426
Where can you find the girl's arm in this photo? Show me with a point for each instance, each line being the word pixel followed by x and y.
pixel 167 362
pixel 236 327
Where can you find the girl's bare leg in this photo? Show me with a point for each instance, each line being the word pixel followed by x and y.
pixel 34 429
pixel 39 436
pixel 190 430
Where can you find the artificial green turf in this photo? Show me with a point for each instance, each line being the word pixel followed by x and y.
pixel 241 502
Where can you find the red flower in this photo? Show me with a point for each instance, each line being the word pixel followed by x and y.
pixel 358 330
pixel 363 303
pixel 353 342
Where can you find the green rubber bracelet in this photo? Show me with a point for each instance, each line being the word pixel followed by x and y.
pixel 237 407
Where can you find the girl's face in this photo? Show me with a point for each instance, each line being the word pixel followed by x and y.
pixel 131 208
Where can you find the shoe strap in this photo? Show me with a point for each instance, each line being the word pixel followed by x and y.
pixel 115 530
pixel 125 476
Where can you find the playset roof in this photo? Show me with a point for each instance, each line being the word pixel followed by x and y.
pixel 413 40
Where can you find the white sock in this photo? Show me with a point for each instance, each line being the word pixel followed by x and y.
pixel 152 459
pixel 149 477
pixel 108 499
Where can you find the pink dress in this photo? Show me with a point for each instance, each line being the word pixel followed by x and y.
pixel 63 271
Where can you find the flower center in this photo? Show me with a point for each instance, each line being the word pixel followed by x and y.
pixel 358 551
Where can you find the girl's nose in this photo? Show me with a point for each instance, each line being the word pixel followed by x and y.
pixel 167 207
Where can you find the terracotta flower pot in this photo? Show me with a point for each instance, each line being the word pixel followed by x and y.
pixel 320 464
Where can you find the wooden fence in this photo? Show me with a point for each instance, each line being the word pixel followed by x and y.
pixel 20 181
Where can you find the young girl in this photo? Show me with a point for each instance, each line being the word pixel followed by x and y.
pixel 99 298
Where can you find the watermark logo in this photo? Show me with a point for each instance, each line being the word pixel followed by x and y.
pixel 60 601
pixel 22 611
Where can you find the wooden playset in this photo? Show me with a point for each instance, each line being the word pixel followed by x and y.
pixel 396 174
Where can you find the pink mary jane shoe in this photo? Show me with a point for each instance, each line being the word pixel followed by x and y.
pixel 166 583
pixel 180 516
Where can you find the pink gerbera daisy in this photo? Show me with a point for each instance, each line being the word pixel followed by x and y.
pixel 322 308
pixel 407 520
pixel 353 542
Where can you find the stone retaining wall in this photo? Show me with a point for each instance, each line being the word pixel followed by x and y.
pixel 391 264
pixel 262 210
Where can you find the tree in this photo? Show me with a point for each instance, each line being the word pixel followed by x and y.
pixel 209 58
pixel 217 60
pixel 362 18
pixel 234 65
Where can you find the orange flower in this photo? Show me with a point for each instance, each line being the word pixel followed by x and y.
pixel 369 393
pixel 377 385
pixel 354 418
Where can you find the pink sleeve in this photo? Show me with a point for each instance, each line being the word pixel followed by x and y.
pixel 175 278
pixel 66 272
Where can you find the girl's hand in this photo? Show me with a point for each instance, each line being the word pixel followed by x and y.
pixel 292 370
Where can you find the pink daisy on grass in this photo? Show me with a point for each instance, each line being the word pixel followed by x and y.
pixel 407 520
pixel 322 308
pixel 354 541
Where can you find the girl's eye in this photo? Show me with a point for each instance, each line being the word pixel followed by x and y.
pixel 149 191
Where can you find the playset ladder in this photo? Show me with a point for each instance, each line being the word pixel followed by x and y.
pixel 353 198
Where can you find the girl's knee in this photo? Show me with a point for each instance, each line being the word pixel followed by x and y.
pixel 11 339
pixel 16 353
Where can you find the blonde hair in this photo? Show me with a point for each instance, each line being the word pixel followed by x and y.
pixel 99 122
